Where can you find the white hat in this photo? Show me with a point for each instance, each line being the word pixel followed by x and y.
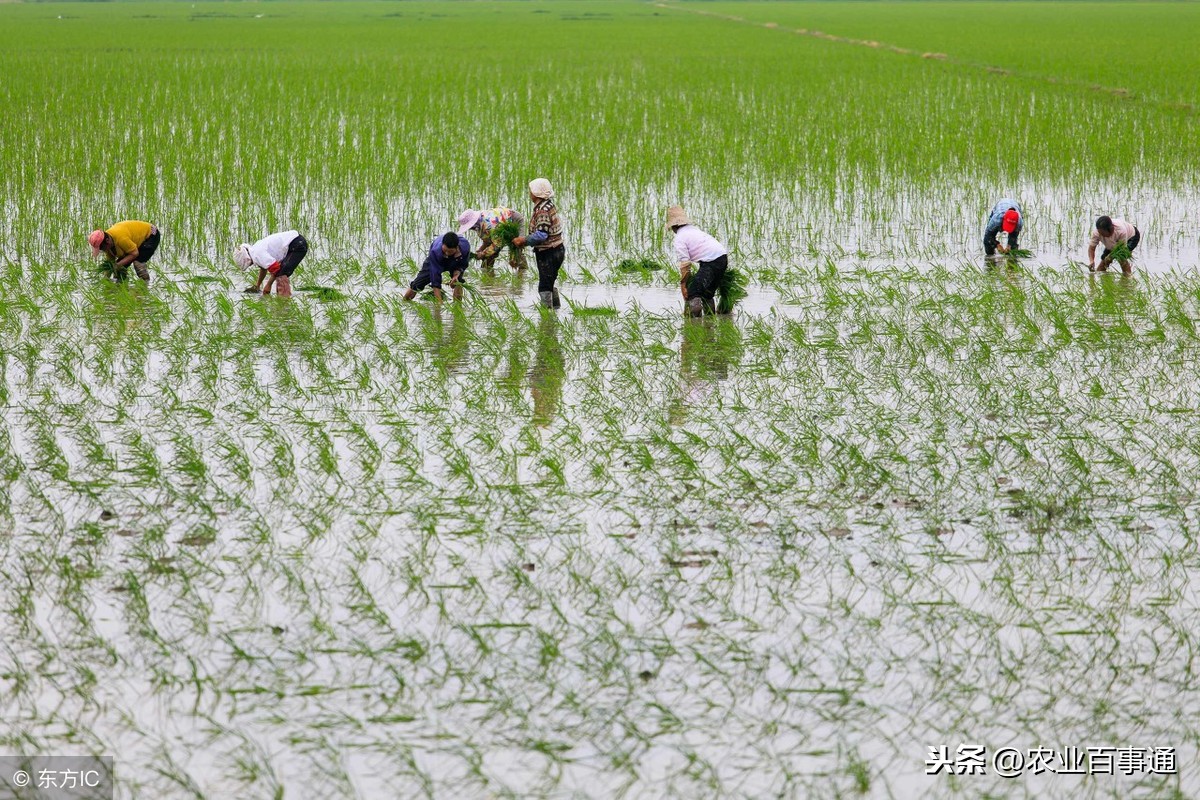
pixel 241 256
pixel 541 188
pixel 467 220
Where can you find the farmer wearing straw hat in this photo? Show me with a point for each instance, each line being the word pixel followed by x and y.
pixel 1120 239
pixel 450 253
pixel 546 238
pixel 694 246
pixel 276 255
pixel 485 222
pixel 1005 216
pixel 129 242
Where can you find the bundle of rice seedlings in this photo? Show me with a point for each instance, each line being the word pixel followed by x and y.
pixel 321 292
pixel 643 264
pixel 110 270
pixel 501 235
pixel 1019 253
pixel 1121 252
pixel 731 289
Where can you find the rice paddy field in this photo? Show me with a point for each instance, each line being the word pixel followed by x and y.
pixel 347 546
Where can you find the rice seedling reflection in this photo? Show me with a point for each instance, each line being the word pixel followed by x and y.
pixel 548 372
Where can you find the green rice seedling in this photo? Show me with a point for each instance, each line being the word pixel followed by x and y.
pixel 733 288
pixel 582 311
pixel 1121 252
pixel 503 233
pixel 639 265
pixel 322 292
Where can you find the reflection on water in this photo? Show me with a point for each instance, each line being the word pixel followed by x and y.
pixel 454 336
pixel 708 348
pixel 548 373
pixel 1114 295
pixel 504 283
pixel 446 332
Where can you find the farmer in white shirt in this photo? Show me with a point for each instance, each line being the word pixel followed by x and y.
pixel 695 247
pixel 1112 233
pixel 276 255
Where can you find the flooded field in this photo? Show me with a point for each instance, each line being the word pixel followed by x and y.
pixel 349 546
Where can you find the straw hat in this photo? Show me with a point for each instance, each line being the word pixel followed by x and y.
pixel 541 189
pixel 675 216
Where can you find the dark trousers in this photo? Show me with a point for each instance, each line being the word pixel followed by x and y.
pixel 297 250
pixel 1131 243
pixel 429 269
pixel 549 262
pixel 147 249
pixel 706 280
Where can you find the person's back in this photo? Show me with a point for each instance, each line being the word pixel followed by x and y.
pixel 695 245
pixel 128 235
pixel 274 245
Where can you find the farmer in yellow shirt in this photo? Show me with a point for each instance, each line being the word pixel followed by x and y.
pixel 129 242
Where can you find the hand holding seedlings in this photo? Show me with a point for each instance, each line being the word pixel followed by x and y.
pixel 129 242
pixel 448 253
pixel 276 256
pixel 497 228
pixel 694 246
pixel 1005 217
pixel 1120 239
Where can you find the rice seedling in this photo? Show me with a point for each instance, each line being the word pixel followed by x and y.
pixel 731 289
pixel 503 233
pixel 637 265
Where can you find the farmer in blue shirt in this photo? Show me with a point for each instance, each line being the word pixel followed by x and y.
pixel 450 253
pixel 1006 216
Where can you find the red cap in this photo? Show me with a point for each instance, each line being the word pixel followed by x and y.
pixel 1012 218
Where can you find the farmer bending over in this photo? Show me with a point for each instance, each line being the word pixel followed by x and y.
pixel 129 242
pixel 1120 239
pixel 1005 216
pixel 546 238
pixel 484 222
pixel 276 255
pixel 450 253
pixel 694 246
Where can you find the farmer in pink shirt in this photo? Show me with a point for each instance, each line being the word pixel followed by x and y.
pixel 1113 233
pixel 695 247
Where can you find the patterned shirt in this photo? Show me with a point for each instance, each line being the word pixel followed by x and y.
pixel 545 227
pixel 494 217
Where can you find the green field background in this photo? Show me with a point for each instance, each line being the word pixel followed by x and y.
pixel 349 546
pixel 371 125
